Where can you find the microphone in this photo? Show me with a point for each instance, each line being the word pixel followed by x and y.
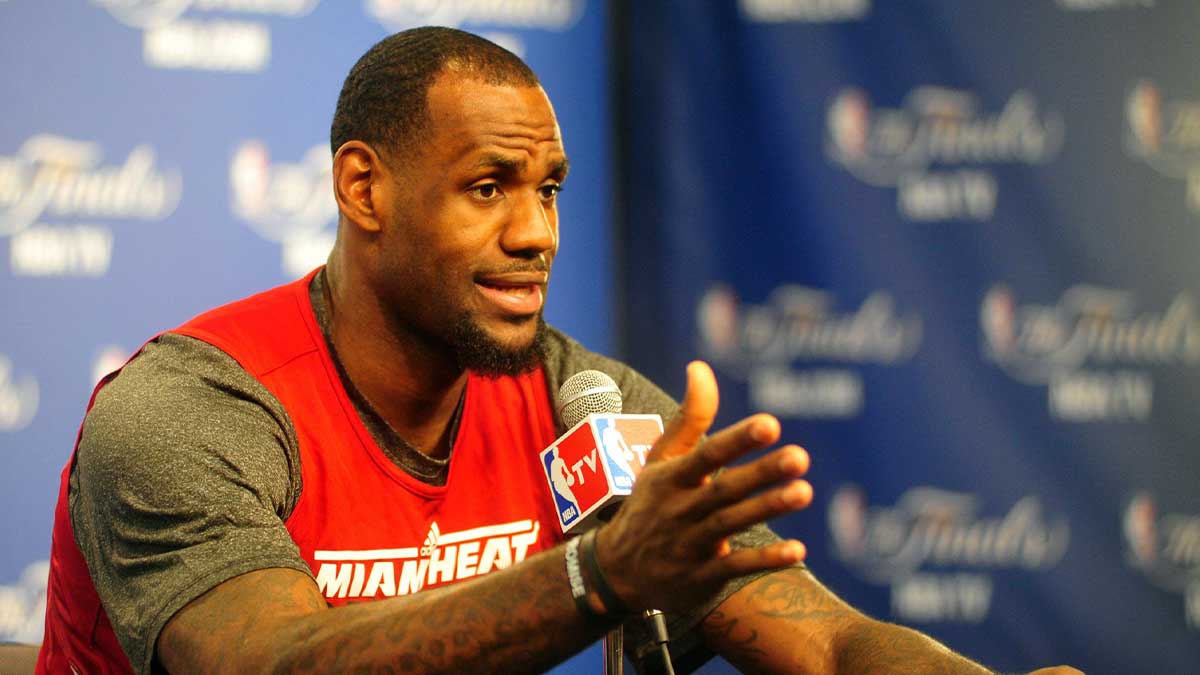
pixel 585 393
pixel 591 469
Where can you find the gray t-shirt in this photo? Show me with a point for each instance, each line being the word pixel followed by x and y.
pixel 188 466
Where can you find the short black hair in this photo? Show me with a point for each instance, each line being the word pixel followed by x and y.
pixel 383 100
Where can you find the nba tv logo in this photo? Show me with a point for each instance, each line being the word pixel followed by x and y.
pixel 596 463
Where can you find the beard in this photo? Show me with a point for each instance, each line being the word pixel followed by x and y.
pixel 479 352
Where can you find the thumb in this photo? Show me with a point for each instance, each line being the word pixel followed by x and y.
pixel 695 416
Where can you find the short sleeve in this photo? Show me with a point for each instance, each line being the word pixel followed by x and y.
pixel 186 469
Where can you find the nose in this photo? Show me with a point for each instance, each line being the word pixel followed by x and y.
pixel 532 229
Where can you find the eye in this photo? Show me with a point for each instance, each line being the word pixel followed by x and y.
pixel 486 192
pixel 549 191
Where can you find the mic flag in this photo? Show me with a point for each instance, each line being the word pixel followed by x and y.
pixel 594 464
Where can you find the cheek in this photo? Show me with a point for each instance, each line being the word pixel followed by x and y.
pixel 445 272
pixel 449 240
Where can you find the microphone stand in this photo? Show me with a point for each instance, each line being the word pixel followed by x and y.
pixel 614 646
pixel 614 651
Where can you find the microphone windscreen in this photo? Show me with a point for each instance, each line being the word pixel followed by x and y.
pixel 586 393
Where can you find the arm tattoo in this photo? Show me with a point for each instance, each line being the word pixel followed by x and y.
pixel 520 619
pixel 527 624
pixel 794 595
pixel 725 628
pixel 788 621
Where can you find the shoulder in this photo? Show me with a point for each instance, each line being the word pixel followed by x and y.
pixel 181 402
pixel 176 379
pixel 565 357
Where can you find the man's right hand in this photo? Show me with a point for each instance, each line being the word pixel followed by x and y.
pixel 667 547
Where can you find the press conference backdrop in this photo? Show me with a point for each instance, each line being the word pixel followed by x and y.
pixel 159 157
pixel 952 244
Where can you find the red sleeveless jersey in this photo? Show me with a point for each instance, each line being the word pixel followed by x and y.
pixel 366 528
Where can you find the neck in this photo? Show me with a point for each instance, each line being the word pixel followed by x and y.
pixel 414 385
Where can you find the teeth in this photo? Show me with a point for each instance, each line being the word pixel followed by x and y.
pixel 519 291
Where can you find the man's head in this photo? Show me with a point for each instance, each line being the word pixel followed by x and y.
pixel 447 162
pixel 382 102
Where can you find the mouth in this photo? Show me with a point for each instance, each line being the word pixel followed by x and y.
pixel 516 294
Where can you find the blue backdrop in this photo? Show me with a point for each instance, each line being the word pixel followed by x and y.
pixel 952 245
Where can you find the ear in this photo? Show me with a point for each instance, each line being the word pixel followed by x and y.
pixel 358 185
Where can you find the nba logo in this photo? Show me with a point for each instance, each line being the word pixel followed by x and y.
pixel 561 482
pixel 626 440
pixel 596 462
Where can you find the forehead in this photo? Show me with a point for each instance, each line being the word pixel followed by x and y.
pixel 468 115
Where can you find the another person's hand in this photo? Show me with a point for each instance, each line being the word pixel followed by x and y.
pixel 667 547
pixel 1057 670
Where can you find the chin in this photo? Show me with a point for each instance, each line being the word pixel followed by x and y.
pixel 519 348
pixel 516 335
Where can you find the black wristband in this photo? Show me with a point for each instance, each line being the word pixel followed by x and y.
pixel 613 606
pixel 575 579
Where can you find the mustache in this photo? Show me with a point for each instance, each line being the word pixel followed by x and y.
pixel 539 264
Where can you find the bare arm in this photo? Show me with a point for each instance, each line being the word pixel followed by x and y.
pixel 787 622
pixel 521 619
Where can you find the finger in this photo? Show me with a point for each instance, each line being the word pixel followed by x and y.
pixel 736 483
pixel 752 433
pixel 749 560
pixel 694 418
pixel 724 522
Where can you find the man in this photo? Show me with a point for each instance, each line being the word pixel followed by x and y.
pixel 372 431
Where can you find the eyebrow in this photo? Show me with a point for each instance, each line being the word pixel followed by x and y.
pixel 509 165
pixel 495 161
pixel 561 167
